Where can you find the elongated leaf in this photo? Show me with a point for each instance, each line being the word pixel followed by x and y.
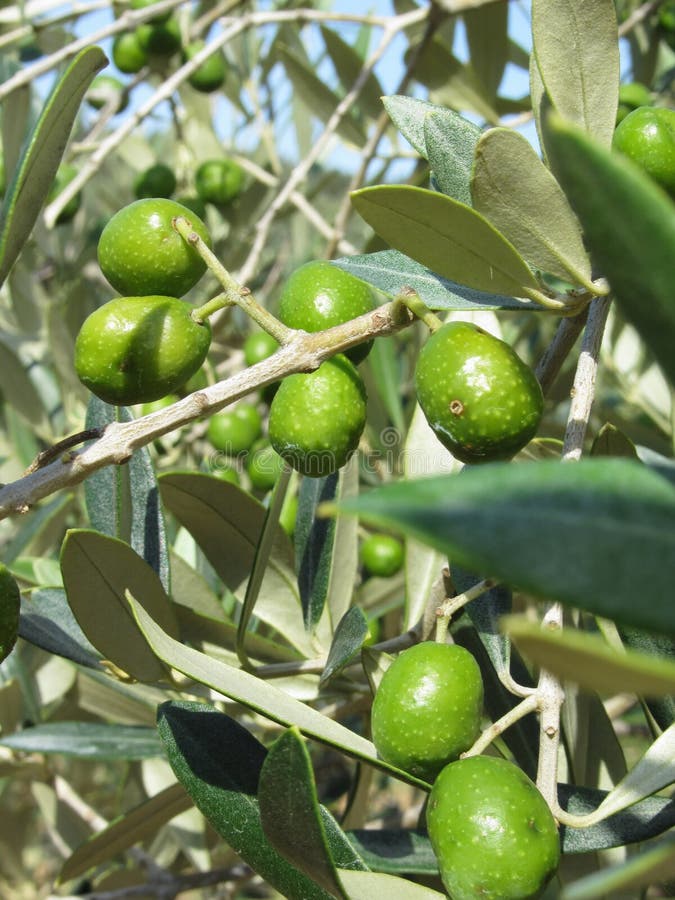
pixel 17 387
pixel 87 740
pixel 523 523
pixel 660 647
pixel 629 224
pixel 226 522
pixel 390 271
pixel 366 885
pixel 219 763
pixel 97 572
pixel 318 97
pixel 290 813
pixel 590 662
pixel 314 540
pixel 448 237
pixel 450 142
pixel 514 190
pixel 489 46
pixel 348 64
pixel 140 823
pixel 395 851
pixel 655 865
pixel 37 167
pixel 408 114
pixel 48 622
pixel 576 45
pixel 350 634
pixel 123 501
pixel 654 771
pixel 266 699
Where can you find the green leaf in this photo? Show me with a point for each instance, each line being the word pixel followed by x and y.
pixel 408 114
pixel 139 824
pixel 48 622
pixel 514 190
pixel 629 225
pixel 576 45
pixel 18 388
pixel 314 546
pixel 350 634
pixel 263 698
pixel 523 523
pixel 395 851
pixel 318 97
pixel 348 64
pixel 448 237
pixel 98 571
pixel 385 367
pixel 611 441
pixel 41 157
pixel 366 885
pixel 226 522
pixel 219 763
pixel 660 647
pixel 87 740
pixel 290 813
pixel 587 660
pixel 653 866
pixel 123 501
pixel 390 271
pixel 451 142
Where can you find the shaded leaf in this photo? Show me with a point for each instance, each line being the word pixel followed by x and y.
pixel 348 64
pixel 41 157
pixel 18 388
pixel 611 441
pixel 390 272
pixel 123 501
pixel 449 237
pixel 576 46
pixel 314 540
pixel 87 740
pixel 587 660
pixel 98 571
pixel 48 622
pixel 266 699
pixel 661 647
pixel 629 225
pixel 366 885
pixel 138 824
pixel 290 812
pixel 489 44
pixel 514 190
pixel 450 142
pixel 613 517
pixel 350 634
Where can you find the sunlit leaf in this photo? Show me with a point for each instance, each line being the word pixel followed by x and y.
pixel 87 740
pixel 450 142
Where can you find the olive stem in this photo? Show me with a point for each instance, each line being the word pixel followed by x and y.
pixel 260 562
pixel 520 710
pixel 419 309
pixel 202 313
pixel 449 607
pixel 233 292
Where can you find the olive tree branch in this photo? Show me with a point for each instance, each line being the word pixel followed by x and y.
pixel 305 352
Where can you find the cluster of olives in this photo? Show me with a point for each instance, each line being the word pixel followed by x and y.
pixel 491 830
pixel 158 39
pixel 216 181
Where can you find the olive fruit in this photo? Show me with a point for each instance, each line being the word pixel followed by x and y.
pixel 210 76
pixel 194 204
pixel 427 708
pixel 138 349
pixel 159 38
pixel 106 89
pixel 316 419
pixel 63 177
pixel 381 555
pixel 235 430
pixel 160 403
pixel 144 4
pixel 140 252
pixel 264 465
pixel 288 514
pixel 319 295
pixel 155 181
pixel 258 346
pixel 219 181
pixel 10 606
pixel 128 54
pixel 647 136
pixel 491 830
pixel 480 399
